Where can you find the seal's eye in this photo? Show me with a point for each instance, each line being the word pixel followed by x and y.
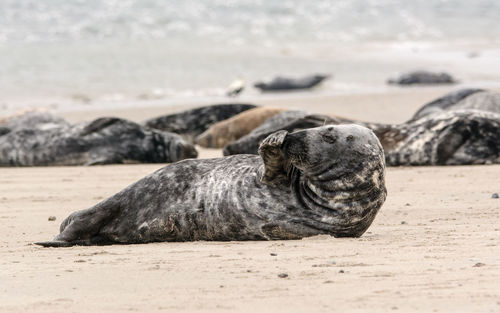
pixel 328 137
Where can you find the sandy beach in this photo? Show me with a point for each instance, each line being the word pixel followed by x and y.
pixel 434 247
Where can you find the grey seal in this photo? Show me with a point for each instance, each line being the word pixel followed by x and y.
pixel 454 100
pixel 190 123
pixel 422 78
pixel 287 83
pixel 102 141
pixel 325 180
pixel 32 119
pixel 455 137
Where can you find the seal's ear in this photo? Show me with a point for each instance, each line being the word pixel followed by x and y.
pixel 274 159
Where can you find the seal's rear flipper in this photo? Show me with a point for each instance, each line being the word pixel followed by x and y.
pixel 55 244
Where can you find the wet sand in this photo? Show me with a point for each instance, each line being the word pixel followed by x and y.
pixel 434 247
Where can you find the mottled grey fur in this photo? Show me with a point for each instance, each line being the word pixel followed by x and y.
pixel 38 120
pixel 285 83
pixel 450 101
pixel 191 123
pixel 448 138
pixel 423 78
pixel 102 141
pixel 325 180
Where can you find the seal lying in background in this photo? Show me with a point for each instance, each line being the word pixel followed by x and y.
pixel 446 103
pixel 33 119
pixel 189 124
pixel 284 83
pixel 102 141
pixel 325 180
pixel 423 78
pixel 448 138
pixel 222 133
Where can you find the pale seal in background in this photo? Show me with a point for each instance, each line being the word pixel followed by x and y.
pixel 325 180
pixel 190 123
pixel 222 133
pixel 102 141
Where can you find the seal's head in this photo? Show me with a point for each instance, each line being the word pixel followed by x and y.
pixel 177 148
pixel 339 168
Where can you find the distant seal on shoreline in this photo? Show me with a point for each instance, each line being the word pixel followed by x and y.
pixel 422 78
pixel 102 141
pixel 222 133
pixel 446 102
pixel 190 123
pixel 286 83
pixel 325 180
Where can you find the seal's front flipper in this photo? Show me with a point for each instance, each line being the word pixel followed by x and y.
pixel 274 160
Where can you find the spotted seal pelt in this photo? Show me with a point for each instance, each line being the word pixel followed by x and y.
pixel 422 78
pixel 325 180
pixel 102 141
pixel 286 83
pixel 449 138
pixel 452 101
pixel 190 123
pixel 222 133
pixel 33 119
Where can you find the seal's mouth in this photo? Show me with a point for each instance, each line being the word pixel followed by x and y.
pixel 295 150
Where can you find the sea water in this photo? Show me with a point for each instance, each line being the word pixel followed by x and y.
pixel 95 52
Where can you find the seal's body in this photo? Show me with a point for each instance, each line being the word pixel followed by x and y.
pixel 102 141
pixel 285 83
pixel 423 78
pixel 222 133
pixel 457 100
pixel 326 180
pixel 33 119
pixel 189 124
pixel 456 137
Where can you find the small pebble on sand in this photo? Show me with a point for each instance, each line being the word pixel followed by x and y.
pixel 495 196
pixel 283 275
pixel 52 218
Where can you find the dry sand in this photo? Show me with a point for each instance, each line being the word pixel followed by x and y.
pixel 434 247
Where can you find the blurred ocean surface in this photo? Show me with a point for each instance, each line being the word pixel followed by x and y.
pixel 69 53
